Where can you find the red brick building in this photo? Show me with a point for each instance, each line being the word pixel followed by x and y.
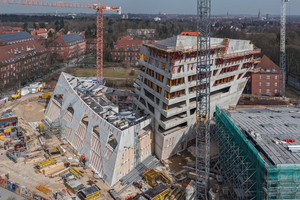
pixel 40 32
pixel 126 49
pixel 15 38
pixel 91 43
pixel 267 80
pixel 21 61
pixel 68 46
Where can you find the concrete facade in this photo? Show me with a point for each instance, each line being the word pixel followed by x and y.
pixel 113 139
pixel 166 85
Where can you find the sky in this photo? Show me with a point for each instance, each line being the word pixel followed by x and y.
pixel 219 7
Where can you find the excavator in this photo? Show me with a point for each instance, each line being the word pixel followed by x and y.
pixel 17 95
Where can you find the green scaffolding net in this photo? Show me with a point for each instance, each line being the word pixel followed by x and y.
pixel 283 182
pixel 243 168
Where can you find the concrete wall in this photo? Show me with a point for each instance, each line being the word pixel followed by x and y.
pixel 125 138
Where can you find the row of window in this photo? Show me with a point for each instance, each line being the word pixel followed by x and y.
pixel 127 58
pixel 268 91
pixel 268 77
pixel 268 84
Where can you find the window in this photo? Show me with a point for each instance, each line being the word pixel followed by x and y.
pixel 268 76
pixel 268 83
pixel 275 91
pixel 260 76
pixel 259 90
pixel 276 83
pixel 276 77
pixel 268 90
pixel 259 83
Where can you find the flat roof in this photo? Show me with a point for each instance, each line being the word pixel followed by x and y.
pixel 269 125
pixel 15 36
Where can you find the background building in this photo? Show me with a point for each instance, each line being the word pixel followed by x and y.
pixel 126 49
pixel 68 46
pixel 21 61
pixel 166 85
pixel 15 38
pixel 149 33
pixel 91 43
pixel 40 32
pixel 267 79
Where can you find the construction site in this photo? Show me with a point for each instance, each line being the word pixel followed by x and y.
pixel 184 132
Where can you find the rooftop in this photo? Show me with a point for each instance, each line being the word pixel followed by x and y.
pixel 15 36
pixel 267 127
pixel 71 37
pixel 98 98
pixel 11 53
pixel 266 65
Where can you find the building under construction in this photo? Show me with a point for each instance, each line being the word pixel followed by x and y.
pixel 116 130
pixel 259 152
pixel 166 85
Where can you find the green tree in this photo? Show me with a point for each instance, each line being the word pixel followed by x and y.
pixel 50 34
pixel 34 25
pixel 25 26
pixel 62 23
pixel 42 25
pixel 56 25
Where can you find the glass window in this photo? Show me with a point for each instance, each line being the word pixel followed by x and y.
pixel 268 83
pixel 268 90
pixel 260 76
pixel 276 83
pixel 275 91
pixel 259 83
pixel 268 76
pixel 259 90
pixel 276 77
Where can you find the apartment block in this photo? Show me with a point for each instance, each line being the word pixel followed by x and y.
pixel 68 46
pixel 166 85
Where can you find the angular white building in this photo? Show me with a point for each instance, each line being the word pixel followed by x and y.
pixel 166 85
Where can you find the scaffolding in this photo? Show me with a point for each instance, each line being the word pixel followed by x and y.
pixel 283 182
pixel 242 167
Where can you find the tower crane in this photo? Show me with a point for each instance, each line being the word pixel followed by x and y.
pixel 203 99
pixel 282 46
pixel 97 7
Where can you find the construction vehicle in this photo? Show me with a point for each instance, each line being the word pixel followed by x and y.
pixel 46 95
pixel 17 95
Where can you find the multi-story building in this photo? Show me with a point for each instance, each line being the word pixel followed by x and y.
pixel 268 78
pixel 141 32
pixel 41 32
pixel 126 49
pixel 15 38
pixel 91 43
pixel 21 61
pixel 166 85
pixel 68 46
pixel 9 29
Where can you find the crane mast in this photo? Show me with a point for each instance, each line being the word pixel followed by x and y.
pixel 98 7
pixel 282 46
pixel 203 99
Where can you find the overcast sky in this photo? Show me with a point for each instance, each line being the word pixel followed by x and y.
pixel 219 7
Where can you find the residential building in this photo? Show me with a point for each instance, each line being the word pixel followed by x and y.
pixel 91 43
pixel 259 152
pixel 141 32
pixel 166 85
pixel 41 32
pixel 268 78
pixel 21 61
pixel 126 49
pixel 9 29
pixel 15 38
pixel 67 46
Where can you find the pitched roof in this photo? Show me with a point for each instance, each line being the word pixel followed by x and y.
pixel 127 45
pixel 39 31
pixel 189 33
pixel 15 36
pixel 71 37
pixel 268 65
pixel 126 37
pixel 13 52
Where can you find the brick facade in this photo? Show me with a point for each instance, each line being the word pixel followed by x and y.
pixel 267 80
pixel 68 46
pixel 21 61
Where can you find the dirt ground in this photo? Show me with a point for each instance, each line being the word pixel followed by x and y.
pixel 23 174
